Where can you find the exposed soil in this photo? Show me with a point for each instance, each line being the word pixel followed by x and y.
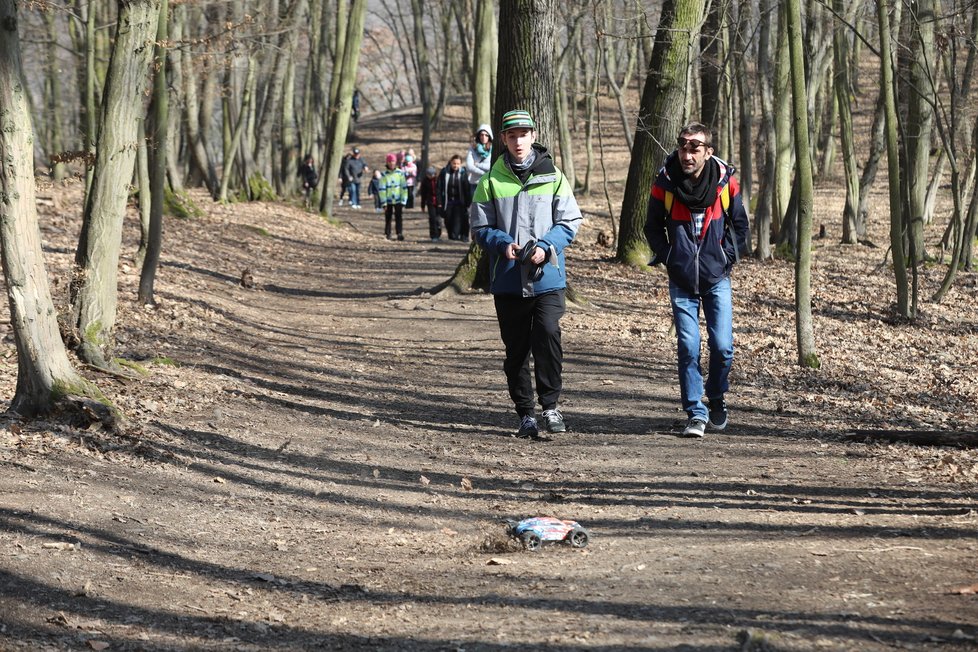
pixel 329 460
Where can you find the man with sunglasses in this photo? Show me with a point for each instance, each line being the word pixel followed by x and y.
pixel 697 226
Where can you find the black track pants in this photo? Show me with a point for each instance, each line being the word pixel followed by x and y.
pixel 532 325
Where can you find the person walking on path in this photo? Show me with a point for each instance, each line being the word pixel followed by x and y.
pixel 429 202
pixel 410 169
pixel 373 190
pixel 454 197
pixel 698 227
pixel 355 167
pixel 393 196
pixel 309 177
pixel 479 158
pixel 524 215
pixel 344 178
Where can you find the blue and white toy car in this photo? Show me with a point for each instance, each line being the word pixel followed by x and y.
pixel 534 531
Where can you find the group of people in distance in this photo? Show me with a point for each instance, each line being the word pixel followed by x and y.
pixel 521 210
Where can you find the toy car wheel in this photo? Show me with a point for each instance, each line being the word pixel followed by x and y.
pixel 578 537
pixel 531 541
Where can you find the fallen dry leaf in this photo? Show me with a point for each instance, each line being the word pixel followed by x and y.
pixel 425 481
pixel 499 561
pixel 466 484
pixel 965 590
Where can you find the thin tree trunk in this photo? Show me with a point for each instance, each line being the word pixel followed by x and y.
pixel 616 91
pixel 196 135
pixel 844 96
pixel 484 63
pixel 55 142
pixel 158 153
pixel 887 68
pixel 232 134
pixel 784 147
pixel 145 192
pixel 804 327
pixel 767 137
pixel 339 117
pixel 424 79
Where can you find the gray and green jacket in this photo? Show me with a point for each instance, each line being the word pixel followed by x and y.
pixel 504 211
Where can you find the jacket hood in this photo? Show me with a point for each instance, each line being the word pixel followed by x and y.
pixel 485 128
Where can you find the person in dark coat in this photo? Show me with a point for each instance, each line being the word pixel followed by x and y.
pixel 454 198
pixel 697 226
pixel 429 201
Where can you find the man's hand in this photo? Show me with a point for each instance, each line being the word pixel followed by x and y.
pixel 512 251
pixel 538 255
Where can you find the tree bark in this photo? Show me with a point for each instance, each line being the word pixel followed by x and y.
pixel 158 151
pixel 664 109
pixel 528 64
pixel 44 373
pixel 844 96
pixel 804 328
pixel 93 289
pixel 767 137
pixel 484 63
pixel 345 67
pixel 424 80
pixel 887 68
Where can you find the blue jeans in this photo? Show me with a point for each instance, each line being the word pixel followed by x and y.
pixel 354 191
pixel 718 311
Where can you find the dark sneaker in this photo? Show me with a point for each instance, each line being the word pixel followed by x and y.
pixel 718 413
pixel 695 427
pixel 528 427
pixel 554 421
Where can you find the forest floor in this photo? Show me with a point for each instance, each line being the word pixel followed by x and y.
pixel 324 460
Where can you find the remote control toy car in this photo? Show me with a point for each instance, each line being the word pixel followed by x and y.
pixel 534 531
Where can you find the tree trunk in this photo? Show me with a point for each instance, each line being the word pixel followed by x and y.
pixel 608 55
pixel 664 109
pixel 232 133
pixel 145 192
pixel 887 68
pixel 55 142
pixel 804 328
pixel 710 66
pixel 44 373
pixel 844 97
pixel 345 66
pixel 870 168
pixel 158 153
pixel 484 63
pixel 766 138
pixel 93 288
pixel 784 147
pixel 196 134
pixel 424 80
pixel 528 58
pixel 271 110
pixel 920 117
pixel 526 81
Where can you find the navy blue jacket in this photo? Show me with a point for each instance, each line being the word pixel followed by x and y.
pixel 697 263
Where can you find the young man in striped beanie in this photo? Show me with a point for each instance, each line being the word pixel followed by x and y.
pixel 524 215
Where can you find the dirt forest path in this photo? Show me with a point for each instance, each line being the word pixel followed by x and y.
pixel 324 461
pixel 330 465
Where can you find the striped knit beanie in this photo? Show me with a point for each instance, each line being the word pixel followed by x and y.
pixel 518 119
